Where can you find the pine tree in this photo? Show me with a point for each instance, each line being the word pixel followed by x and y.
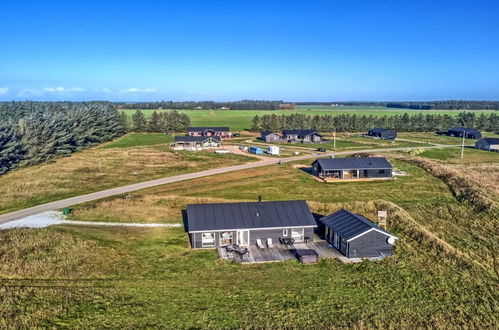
pixel 139 121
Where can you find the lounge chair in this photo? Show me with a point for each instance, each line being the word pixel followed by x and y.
pixel 260 244
pixel 269 243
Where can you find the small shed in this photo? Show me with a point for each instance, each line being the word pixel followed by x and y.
pixel 273 150
pixel 256 150
pixel 382 133
pixel 355 236
pixel 489 144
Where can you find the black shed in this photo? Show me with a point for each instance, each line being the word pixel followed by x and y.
pixel 355 236
pixel 382 133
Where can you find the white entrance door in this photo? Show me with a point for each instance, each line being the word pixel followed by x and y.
pixel 243 237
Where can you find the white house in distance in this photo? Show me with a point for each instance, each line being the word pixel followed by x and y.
pixel 489 144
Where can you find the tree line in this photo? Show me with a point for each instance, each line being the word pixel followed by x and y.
pixel 163 122
pixel 34 132
pixel 420 105
pixel 204 105
pixel 354 123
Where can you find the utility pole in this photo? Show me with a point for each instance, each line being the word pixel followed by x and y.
pixel 462 146
pixel 334 139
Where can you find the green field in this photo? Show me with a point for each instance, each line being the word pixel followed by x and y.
pixel 140 139
pixel 239 120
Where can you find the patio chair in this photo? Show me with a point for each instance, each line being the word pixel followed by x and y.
pixel 260 244
pixel 269 243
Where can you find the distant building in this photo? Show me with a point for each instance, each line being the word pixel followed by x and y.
pixel 222 132
pixel 382 133
pixel 489 144
pixel 268 136
pixel 352 168
pixel 287 106
pixel 301 135
pixel 197 142
pixel 355 236
pixel 469 133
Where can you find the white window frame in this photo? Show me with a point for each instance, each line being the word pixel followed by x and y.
pixel 208 244
pixel 298 238
pixel 285 232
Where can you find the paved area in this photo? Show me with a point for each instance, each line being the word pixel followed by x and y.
pixel 52 218
pixel 177 178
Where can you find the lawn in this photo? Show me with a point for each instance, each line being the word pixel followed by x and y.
pixel 98 277
pixel 441 274
pixel 140 139
pixel 238 120
pixel 453 155
pixel 100 168
pixel 165 203
pixel 431 137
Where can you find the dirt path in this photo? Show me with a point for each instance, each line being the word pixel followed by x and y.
pixel 147 184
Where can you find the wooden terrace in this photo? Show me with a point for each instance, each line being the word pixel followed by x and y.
pixel 282 252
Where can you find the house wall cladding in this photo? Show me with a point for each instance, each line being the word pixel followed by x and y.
pixel 272 138
pixel 369 245
pixel 387 173
pixel 262 234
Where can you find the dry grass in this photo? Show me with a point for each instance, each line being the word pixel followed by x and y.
pixel 465 187
pixel 100 168
pixel 47 253
pixel 140 208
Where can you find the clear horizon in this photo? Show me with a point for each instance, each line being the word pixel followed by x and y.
pixel 228 51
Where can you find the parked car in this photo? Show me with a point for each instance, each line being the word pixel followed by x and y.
pixel 321 149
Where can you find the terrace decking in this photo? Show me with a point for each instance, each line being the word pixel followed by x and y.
pixel 280 252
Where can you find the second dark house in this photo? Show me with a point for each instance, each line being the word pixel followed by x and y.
pixel 301 135
pixel 352 168
pixel 469 133
pixel 382 133
pixel 355 236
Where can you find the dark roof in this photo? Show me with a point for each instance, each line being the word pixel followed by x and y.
pixel 300 132
pixel 464 129
pixel 189 138
pixel 202 129
pixel 347 224
pixel 354 163
pixel 491 140
pixel 380 130
pixel 229 216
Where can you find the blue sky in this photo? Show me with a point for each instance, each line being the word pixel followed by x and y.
pixel 231 50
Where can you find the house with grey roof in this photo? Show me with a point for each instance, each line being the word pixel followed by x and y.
pixel 223 224
pixel 301 135
pixel 467 132
pixel 197 142
pixel 382 133
pixel 222 132
pixel 269 137
pixel 355 236
pixel 352 168
pixel 489 144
